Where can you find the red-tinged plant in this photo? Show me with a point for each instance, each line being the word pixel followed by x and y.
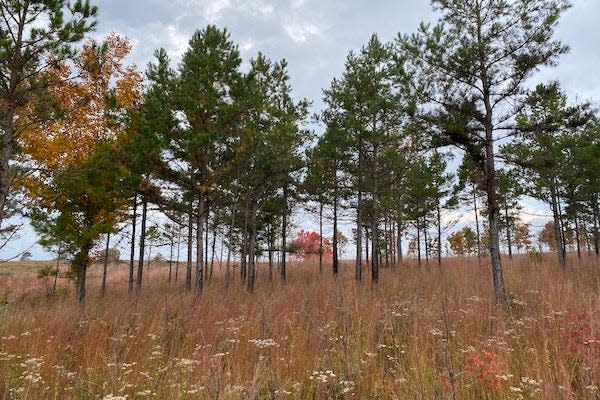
pixel 578 330
pixel 484 368
pixel 307 245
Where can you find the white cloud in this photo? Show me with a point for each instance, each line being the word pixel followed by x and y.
pixel 300 33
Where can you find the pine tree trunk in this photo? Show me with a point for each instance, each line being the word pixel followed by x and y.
pixel 200 243
pixel 284 234
pixel 132 253
pixel 426 239
pixel 375 221
pixel 252 247
pixel 190 247
pixel 271 247
pixel 493 210
pixel 6 153
pixel 439 234
pixel 140 270
pixel 244 255
pixel 477 231
pixel 508 236
pixel 320 236
pixel 577 241
pixel 399 245
pixel 178 250
pixel 557 227
pixel 171 251
pixel 105 266
pixel 596 214
pixel 419 240
pixel 359 205
pixel 335 265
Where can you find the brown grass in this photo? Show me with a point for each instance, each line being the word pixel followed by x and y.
pixel 423 333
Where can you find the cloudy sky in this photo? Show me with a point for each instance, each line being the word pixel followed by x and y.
pixel 315 36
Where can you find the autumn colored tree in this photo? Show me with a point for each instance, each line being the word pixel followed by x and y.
pixel 76 188
pixel 307 245
pixel 36 36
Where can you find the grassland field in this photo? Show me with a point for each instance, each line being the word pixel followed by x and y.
pixel 425 332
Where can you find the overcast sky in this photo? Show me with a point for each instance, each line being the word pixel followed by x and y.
pixel 315 36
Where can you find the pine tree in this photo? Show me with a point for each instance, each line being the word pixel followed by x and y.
pixel 470 70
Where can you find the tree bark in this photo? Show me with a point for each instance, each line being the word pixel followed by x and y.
pixel 80 265
pixel 493 207
pixel 557 226
pixel 252 247
pixel 359 205
pixel 132 254
pixel 399 244
pixel 508 236
pixel 284 235
pixel 477 230
pixel 596 214
pixel 335 264
pixel 140 270
pixel 190 244
pixel 320 236
pixel 105 266
pixel 200 243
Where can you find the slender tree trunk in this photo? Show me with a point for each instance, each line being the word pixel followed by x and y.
pixel 596 214
pixel 375 218
pixel 171 251
pixel 105 266
pixel 477 230
pixel 367 253
pixel 359 205
pixel 562 225
pixel 284 234
pixel 132 254
pixel 80 265
pixel 577 241
pixel 271 247
pixel 557 227
pixel 335 265
pixel 6 154
pixel 508 226
pixel 320 236
pixel 200 243
pixel 190 244
pixel 586 235
pixel 419 240
pixel 212 254
pixel 252 247
pixel 229 245
pixel 439 234
pixel 178 250
pixel 140 270
pixel 399 244
pixel 493 207
pixel 243 263
pixel 206 241
pixel 426 239
pixel 57 271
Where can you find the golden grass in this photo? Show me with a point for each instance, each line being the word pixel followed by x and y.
pixel 423 333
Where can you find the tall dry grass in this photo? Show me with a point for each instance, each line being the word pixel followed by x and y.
pixel 422 333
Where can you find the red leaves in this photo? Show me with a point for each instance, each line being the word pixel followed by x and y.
pixel 307 245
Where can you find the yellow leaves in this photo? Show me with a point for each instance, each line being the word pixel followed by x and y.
pixel 94 96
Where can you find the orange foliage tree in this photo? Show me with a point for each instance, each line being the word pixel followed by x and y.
pixel 77 181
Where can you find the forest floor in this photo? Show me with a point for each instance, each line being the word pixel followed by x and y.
pixel 424 332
